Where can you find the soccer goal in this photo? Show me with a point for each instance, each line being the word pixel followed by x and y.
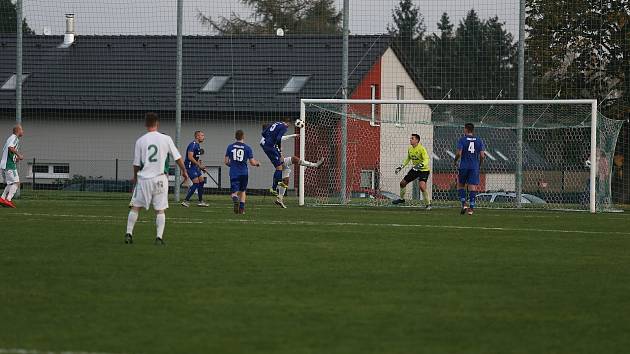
pixel 543 154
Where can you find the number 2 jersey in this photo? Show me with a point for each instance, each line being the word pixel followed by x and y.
pixel 239 154
pixel 471 147
pixel 151 154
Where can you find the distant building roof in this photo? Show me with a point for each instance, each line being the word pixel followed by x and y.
pixel 139 72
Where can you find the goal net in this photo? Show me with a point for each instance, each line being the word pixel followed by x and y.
pixel 539 154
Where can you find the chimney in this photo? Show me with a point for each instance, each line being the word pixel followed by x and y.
pixel 68 38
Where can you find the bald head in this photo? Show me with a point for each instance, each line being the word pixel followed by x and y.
pixel 17 130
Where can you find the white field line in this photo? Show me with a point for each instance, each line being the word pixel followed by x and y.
pixel 90 218
pixel 31 351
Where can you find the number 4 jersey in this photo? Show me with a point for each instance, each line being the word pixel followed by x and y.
pixel 471 147
pixel 239 154
pixel 151 154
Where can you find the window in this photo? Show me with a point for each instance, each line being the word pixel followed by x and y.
pixel 367 179
pixel 10 83
pixel 400 109
pixel 295 84
pixel 504 199
pixel 61 169
pixel 215 83
pixel 40 168
pixel 374 111
pixel 49 170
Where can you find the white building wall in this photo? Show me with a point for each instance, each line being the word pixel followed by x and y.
pixel 395 136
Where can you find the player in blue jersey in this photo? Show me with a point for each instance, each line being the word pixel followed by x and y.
pixel 272 137
pixel 237 156
pixel 471 151
pixel 195 169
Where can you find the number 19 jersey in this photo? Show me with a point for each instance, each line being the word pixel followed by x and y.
pixel 151 154
pixel 471 147
pixel 239 154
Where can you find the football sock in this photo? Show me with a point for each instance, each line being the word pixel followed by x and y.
pixel 234 198
pixel 160 222
pixel 191 191
pixel 307 164
pixel 12 189
pixel 131 221
pixel 6 191
pixel 200 191
pixel 241 205
pixel 472 196
pixel 277 177
pixel 281 191
pixel 403 191
pixel 462 196
pixel 425 196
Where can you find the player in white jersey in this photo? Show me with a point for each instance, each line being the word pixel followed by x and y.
pixel 8 166
pixel 150 175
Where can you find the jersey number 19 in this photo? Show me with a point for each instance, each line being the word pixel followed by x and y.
pixel 238 155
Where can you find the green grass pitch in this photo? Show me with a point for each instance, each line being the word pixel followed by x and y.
pixel 312 280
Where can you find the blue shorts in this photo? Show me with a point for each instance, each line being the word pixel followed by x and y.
pixel 468 176
pixel 239 183
pixel 273 154
pixel 193 172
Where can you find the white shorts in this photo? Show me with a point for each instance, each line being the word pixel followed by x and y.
pixel 10 176
pixel 151 191
pixel 286 170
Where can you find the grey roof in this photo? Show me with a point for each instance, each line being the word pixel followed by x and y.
pixel 139 72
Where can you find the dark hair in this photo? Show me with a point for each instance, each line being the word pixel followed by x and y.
pixel 286 119
pixel 197 132
pixel 416 136
pixel 151 119
pixel 470 127
pixel 239 135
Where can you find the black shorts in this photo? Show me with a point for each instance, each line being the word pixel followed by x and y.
pixel 420 175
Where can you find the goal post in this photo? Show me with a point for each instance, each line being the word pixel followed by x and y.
pixel 554 156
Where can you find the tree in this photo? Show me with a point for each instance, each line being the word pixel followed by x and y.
pixel 581 48
pixel 408 24
pixel 442 52
pixel 294 16
pixel 8 19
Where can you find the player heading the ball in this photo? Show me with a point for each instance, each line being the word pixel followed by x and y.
pixel 419 157
pixel 237 156
pixel 150 174
pixel 471 150
pixel 194 168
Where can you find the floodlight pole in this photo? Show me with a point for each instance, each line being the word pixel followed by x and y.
pixel 178 93
pixel 518 183
pixel 344 112
pixel 18 63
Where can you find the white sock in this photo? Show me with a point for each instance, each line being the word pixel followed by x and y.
pixel 160 222
pixel 306 163
pixel 6 191
pixel 131 221
pixel 12 189
pixel 281 191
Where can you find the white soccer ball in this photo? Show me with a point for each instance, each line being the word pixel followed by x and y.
pixel 299 123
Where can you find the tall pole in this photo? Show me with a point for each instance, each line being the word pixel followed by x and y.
pixel 521 95
pixel 178 92
pixel 18 63
pixel 344 113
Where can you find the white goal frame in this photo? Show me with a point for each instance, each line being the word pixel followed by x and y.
pixel 592 102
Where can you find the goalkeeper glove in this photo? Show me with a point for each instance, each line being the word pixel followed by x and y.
pixel 398 169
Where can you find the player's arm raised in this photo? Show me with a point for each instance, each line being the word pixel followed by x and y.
pixel 290 136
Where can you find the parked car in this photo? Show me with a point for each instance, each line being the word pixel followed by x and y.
pixel 508 197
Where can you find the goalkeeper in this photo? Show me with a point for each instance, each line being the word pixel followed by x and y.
pixel 418 156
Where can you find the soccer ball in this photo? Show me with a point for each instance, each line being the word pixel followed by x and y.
pixel 299 123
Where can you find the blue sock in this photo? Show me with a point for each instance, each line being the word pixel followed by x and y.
pixel 191 191
pixel 200 191
pixel 472 196
pixel 462 196
pixel 241 205
pixel 277 177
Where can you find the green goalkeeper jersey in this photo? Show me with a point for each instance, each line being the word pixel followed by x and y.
pixel 419 157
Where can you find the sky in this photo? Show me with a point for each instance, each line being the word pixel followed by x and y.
pixel 155 17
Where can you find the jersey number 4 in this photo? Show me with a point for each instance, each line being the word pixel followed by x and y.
pixel 471 147
pixel 238 155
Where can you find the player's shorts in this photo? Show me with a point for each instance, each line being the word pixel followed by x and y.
pixel 415 174
pixel 239 183
pixel 193 172
pixel 286 170
pixel 468 176
pixel 10 176
pixel 274 155
pixel 151 191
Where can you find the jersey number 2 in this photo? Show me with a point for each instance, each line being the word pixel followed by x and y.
pixel 155 151
pixel 471 147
